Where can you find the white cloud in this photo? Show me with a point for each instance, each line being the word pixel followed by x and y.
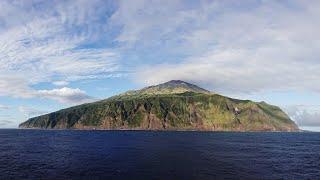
pixel 49 53
pixel 143 20
pixel 15 86
pixel 227 46
pixel 238 71
pixel 44 42
pixel 18 87
pixel 66 95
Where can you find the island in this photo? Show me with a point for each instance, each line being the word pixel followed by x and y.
pixel 174 105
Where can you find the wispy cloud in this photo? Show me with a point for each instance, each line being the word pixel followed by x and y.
pixel 17 87
pixel 226 45
pixel 48 45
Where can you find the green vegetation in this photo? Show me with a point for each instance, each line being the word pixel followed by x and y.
pixel 195 109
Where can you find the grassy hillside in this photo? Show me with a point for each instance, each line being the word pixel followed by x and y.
pixel 171 111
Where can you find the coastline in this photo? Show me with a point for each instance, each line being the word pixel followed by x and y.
pixel 160 130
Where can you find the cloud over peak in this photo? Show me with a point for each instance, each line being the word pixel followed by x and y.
pixel 229 46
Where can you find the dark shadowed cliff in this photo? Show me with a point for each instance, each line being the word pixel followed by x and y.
pixel 175 105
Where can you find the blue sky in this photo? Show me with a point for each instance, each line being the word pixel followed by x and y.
pixel 55 54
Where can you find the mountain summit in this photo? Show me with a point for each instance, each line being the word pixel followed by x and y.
pixel 170 87
pixel 174 105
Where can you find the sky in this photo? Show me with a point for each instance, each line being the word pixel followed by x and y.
pixel 60 53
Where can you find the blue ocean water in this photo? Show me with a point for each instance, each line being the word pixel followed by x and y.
pixel 63 154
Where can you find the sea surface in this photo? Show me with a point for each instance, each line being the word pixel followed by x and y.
pixel 74 154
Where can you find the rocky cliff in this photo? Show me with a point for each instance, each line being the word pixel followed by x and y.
pixel 175 105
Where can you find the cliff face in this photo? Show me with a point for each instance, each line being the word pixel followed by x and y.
pixel 173 111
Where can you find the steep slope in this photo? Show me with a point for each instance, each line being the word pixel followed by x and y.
pixel 177 106
pixel 171 87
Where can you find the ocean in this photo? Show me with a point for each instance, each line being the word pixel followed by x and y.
pixel 75 154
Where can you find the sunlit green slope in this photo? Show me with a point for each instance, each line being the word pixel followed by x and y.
pixel 175 105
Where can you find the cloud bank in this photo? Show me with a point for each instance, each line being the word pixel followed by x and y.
pixel 228 46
